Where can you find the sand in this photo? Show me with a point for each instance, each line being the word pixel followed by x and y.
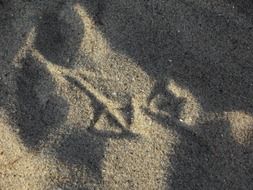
pixel 115 94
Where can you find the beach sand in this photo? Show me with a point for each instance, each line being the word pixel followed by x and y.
pixel 115 94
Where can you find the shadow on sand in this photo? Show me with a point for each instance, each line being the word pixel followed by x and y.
pixel 170 40
pixel 204 52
